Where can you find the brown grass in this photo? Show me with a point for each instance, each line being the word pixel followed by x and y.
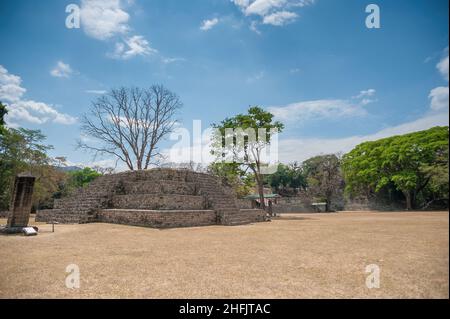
pixel 298 256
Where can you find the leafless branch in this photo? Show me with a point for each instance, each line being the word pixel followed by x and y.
pixel 129 123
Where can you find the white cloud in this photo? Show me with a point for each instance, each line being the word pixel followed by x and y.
pixel 280 18
pixel 37 113
pixel 442 66
pixel 103 19
pixel 254 27
pixel 365 96
pixel 134 46
pixel 208 24
pixel 96 91
pixel 10 86
pixel 325 108
pixel 168 60
pixel 317 109
pixel 11 93
pixel 439 95
pixel 61 70
pixel 365 93
pixel 108 20
pixel 242 4
pixel 291 150
pixel 439 98
pixel 263 7
pixel 273 12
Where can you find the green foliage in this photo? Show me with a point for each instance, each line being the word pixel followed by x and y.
pixel 407 162
pixel 324 178
pixel 21 150
pixel 238 139
pixel 233 175
pixel 256 120
pixel 82 177
pixel 437 189
pixel 287 176
pixel 3 112
pixel 75 180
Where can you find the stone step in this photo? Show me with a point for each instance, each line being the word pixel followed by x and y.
pixel 153 202
pixel 159 187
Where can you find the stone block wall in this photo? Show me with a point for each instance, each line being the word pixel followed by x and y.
pixel 156 201
pixel 54 215
pixel 240 217
pixel 244 203
pixel 158 218
pixel 170 198
pixel 157 187
pixel 292 205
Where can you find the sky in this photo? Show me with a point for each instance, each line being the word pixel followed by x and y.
pixel 314 64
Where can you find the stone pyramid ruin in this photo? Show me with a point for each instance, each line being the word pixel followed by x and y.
pixel 159 198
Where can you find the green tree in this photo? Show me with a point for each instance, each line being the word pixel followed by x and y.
pixel 233 175
pixel 82 177
pixel 287 176
pixel 21 150
pixel 74 180
pixel 47 186
pixel 437 189
pixel 3 112
pixel 242 139
pixel 324 177
pixel 407 162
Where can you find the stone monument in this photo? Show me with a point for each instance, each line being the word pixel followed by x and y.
pixel 20 207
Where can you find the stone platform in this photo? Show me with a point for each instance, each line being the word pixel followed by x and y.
pixel 159 198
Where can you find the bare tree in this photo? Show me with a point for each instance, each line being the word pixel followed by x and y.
pixel 128 123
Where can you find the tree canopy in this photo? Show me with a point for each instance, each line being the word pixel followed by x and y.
pixel 410 163
pixel 287 177
pixel 324 178
pixel 22 150
pixel 243 138
pixel 3 112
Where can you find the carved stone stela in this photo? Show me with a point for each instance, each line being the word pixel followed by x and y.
pixel 20 208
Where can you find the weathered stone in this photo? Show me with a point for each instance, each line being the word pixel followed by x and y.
pixel 153 198
pixel 20 207
pixel 158 218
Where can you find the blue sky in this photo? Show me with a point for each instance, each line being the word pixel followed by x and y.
pixel 314 64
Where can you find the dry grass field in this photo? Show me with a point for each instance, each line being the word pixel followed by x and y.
pixel 297 256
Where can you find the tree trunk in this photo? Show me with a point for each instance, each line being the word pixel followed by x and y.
pixel 408 200
pixel 328 206
pixel 260 185
pixel 261 193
